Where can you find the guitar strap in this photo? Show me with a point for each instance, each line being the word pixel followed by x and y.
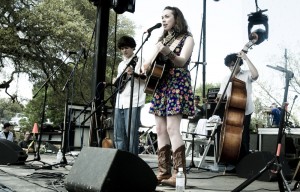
pixel 172 47
pixel 175 43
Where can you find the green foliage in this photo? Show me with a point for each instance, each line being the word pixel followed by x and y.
pixel 8 109
pixel 199 90
pixel 269 91
pixel 34 38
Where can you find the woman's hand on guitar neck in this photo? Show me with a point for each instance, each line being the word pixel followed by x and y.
pixel 145 68
pixel 165 50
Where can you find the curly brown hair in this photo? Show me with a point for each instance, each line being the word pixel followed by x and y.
pixel 181 26
pixel 232 58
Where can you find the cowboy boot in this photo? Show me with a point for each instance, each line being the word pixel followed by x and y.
pixel 164 163
pixel 178 161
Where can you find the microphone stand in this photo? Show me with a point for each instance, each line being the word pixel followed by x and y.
pixel 289 113
pixel 202 37
pixel 67 121
pixel 197 68
pixel 37 156
pixel 275 162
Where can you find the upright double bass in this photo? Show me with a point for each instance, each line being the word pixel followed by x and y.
pixel 232 127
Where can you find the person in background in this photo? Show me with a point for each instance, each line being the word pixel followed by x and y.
pixel 173 97
pixel 276 114
pixel 6 133
pixel 127 46
pixel 199 114
pixel 248 76
pixel 193 121
pixel 27 144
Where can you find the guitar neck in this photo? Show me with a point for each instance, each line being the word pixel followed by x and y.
pixel 142 76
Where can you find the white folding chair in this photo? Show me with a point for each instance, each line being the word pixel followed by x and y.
pixel 146 140
pixel 202 138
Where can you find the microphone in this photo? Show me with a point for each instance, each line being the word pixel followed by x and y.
pixel 197 62
pixel 72 52
pixel 107 84
pixel 295 97
pixel 83 51
pixel 158 25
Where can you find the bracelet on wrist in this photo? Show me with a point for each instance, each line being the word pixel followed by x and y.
pixel 167 55
pixel 171 55
pixel 245 51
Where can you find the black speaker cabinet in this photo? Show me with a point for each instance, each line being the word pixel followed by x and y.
pixel 269 143
pixel 109 170
pixel 11 153
pixel 253 141
pixel 210 107
pixel 253 163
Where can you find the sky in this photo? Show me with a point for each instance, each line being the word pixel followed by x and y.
pixel 226 32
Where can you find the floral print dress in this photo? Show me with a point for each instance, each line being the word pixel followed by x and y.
pixel 174 94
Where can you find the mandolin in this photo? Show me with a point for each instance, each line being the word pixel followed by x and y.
pixel 121 81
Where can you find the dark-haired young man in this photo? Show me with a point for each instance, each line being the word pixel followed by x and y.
pixel 6 133
pixel 248 76
pixel 127 46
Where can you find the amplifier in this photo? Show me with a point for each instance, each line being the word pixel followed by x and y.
pixel 212 94
pixel 210 107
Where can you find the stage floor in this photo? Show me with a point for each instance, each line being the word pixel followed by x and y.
pixel 25 178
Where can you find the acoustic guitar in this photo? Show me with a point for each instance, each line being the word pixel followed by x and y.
pixel 107 142
pixel 158 66
pixel 155 73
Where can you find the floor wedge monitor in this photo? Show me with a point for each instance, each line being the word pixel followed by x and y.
pixel 11 153
pixel 253 163
pixel 108 170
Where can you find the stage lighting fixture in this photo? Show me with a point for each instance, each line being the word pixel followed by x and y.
pixel 120 6
pixel 258 19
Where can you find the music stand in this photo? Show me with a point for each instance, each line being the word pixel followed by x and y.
pixel 275 162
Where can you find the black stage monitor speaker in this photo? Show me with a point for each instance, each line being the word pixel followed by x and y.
pixel 269 143
pixel 251 164
pixel 11 153
pixel 110 170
